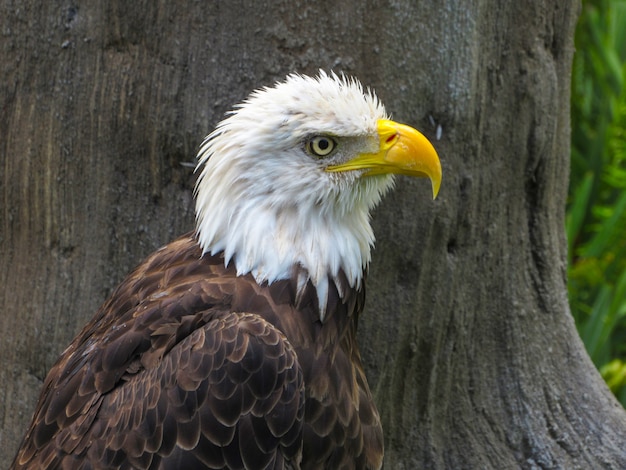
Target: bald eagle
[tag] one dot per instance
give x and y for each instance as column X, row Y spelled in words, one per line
column 235, row 346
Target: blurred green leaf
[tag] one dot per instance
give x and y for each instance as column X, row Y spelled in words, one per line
column 615, row 374
column 596, row 212
column 577, row 210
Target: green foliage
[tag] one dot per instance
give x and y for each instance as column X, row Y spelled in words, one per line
column 596, row 214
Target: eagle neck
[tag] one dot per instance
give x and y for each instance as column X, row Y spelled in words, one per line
column 321, row 247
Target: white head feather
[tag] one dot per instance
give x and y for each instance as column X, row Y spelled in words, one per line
column 269, row 204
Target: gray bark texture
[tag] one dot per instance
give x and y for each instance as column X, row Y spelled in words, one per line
column 467, row 337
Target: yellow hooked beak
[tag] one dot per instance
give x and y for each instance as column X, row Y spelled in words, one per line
column 402, row 150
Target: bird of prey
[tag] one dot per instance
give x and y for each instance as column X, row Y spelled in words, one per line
column 234, row 346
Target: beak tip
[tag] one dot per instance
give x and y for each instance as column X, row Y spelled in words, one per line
column 435, row 191
column 436, row 180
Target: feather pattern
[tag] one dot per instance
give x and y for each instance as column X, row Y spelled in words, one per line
column 190, row 365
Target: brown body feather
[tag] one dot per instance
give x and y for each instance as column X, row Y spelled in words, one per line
column 188, row 365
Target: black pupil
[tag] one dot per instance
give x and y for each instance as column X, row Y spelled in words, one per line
column 323, row 144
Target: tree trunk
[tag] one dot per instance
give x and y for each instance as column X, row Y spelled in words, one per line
column 467, row 336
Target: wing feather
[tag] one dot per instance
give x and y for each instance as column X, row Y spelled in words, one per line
column 173, row 377
column 195, row 426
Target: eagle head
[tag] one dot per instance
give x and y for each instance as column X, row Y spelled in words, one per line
column 288, row 179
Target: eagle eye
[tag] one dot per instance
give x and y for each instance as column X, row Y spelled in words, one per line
column 321, row 145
